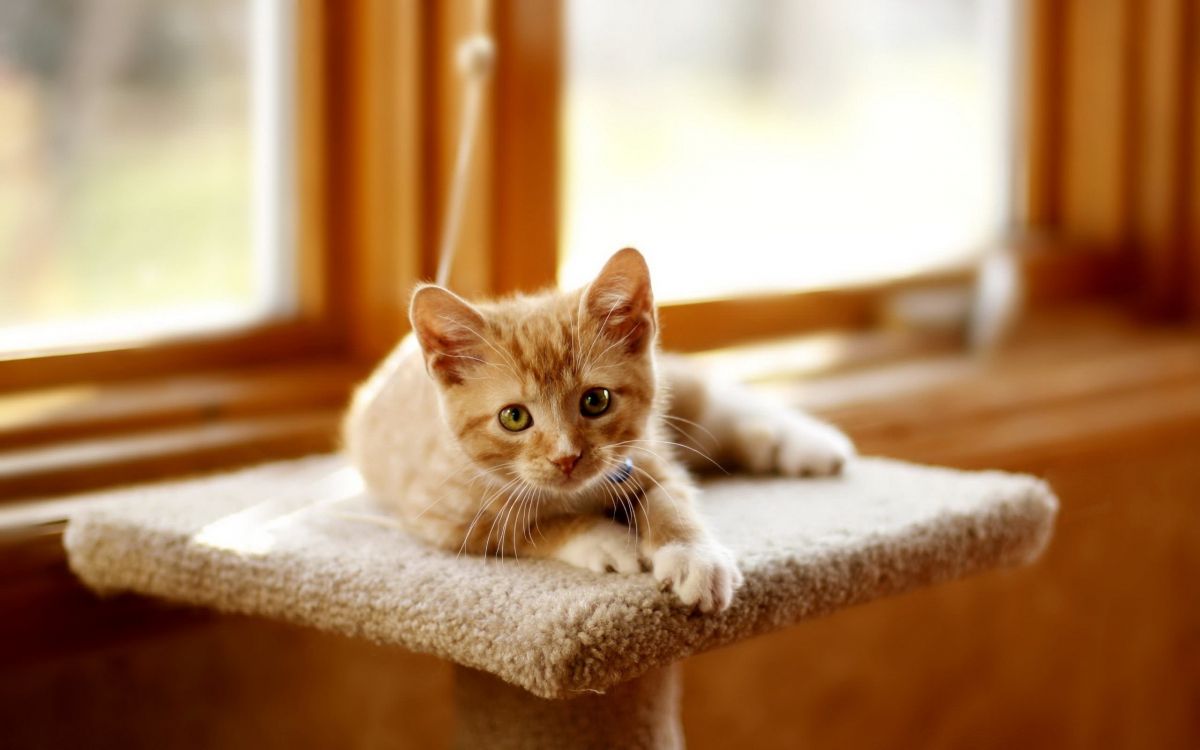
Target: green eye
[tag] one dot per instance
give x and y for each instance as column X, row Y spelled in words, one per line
column 594, row 402
column 515, row 418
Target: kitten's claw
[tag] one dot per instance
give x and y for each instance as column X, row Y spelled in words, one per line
column 793, row 444
column 604, row 547
column 702, row 575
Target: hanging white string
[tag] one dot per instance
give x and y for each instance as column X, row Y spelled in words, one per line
column 476, row 57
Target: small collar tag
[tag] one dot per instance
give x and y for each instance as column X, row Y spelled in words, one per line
column 623, row 473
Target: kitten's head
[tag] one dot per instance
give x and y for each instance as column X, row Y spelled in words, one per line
column 549, row 389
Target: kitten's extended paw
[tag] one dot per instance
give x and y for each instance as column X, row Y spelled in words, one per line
column 702, row 575
column 604, row 547
column 793, row 444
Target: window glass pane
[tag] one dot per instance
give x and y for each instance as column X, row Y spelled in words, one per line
column 132, row 139
column 785, row 144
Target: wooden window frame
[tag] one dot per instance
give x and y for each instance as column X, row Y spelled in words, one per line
column 378, row 110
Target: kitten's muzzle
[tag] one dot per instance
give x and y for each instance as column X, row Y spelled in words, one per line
column 567, row 463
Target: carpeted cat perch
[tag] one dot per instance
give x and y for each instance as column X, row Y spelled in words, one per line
column 549, row 655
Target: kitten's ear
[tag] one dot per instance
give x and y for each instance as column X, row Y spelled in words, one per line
column 621, row 302
column 448, row 329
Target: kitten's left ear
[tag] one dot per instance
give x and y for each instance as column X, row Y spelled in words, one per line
column 621, row 302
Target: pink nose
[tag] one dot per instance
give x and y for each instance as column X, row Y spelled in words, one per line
column 566, row 463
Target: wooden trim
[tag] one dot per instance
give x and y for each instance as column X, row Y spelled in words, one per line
column 527, row 141
column 315, row 291
column 471, row 275
column 259, row 345
column 1055, row 274
column 1041, row 97
column 696, row 326
column 1094, row 174
column 1073, row 382
column 1070, row 362
column 1164, row 177
column 374, row 141
column 80, row 465
column 1190, row 198
column 1051, row 273
column 89, row 410
column 1113, row 159
column 84, row 436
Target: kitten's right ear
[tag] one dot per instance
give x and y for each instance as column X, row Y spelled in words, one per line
column 449, row 330
column 621, row 302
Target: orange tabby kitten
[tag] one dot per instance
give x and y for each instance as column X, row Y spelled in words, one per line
column 540, row 426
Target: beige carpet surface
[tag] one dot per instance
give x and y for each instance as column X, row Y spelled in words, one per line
column 294, row 541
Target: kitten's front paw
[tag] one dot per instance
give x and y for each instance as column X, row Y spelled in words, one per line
column 702, row 575
column 604, row 547
column 795, row 445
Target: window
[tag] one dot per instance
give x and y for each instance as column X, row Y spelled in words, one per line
column 145, row 171
column 306, row 148
column 828, row 142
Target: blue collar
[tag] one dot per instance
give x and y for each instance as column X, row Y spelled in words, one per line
column 623, row 472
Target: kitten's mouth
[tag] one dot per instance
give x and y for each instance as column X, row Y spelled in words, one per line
column 576, row 480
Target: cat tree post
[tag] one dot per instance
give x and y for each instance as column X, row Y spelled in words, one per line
column 640, row 713
column 550, row 655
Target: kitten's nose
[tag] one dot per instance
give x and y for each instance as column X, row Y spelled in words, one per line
column 566, row 463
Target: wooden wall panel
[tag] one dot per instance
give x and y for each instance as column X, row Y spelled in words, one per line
column 375, row 166
column 526, row 177
column 1163, row 179
column 451, row 23
column 1112, row 139
column 1041, row 77
column 1190, row 271
column 230, row 683
column 1095, row 646
column 1094, row 167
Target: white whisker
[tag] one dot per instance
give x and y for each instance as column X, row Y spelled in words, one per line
column 487, row 542
column 699, row 453
column 674, row 502
column 484, row 505
column 707, row 431
column 537, row 514
column 475, row 478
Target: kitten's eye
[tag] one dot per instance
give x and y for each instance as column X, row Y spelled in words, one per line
column 515, row 418
column 594, row 402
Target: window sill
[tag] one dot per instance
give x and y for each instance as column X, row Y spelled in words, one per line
column 77, row 438
column 1069, row 381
